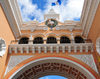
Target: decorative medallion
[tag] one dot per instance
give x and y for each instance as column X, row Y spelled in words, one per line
column 51, row 23
column 2, row 47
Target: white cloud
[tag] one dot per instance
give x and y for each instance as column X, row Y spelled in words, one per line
column 68, row 10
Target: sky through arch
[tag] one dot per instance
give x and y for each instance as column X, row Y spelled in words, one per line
column 52, row 77
column 35, row 9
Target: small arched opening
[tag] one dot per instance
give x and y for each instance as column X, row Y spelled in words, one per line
column 64, row 39
column 38, row 40
column 51, row 40
column 79, row 39
column 24, row 40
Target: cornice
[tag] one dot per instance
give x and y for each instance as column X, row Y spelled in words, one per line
column 10, row 17
column 88, row 15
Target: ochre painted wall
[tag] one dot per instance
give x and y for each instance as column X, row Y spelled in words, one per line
column 7, row 35
column 95, row 33
column 95, row 28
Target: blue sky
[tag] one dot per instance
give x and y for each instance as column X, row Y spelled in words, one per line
column 52, row 77
column 35, row 9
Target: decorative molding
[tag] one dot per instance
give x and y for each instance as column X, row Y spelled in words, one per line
column 15, row 60
column 88, row 59
column 48, row 34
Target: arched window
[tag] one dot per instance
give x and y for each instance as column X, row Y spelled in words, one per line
column 24, row 40
column 38, row 40
column 98, row 45
column 51, row 40
column 79, row 39
column 64, row 39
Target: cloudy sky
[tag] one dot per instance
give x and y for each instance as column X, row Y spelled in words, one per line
column 35, row 9
column 53, row 77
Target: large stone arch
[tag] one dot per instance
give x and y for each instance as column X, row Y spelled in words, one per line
column 52, row 66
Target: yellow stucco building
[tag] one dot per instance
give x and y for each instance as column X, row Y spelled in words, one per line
column 33, row 49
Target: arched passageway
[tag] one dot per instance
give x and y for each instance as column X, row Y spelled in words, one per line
column 51, row 40
column 64, row 39
column 79, row 39
column 24, row 40
column 38, row 40
column 52, row 66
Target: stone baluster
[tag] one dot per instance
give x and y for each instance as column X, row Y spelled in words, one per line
column 39, row 49
column 63, row 49
column 33, row 49
column 75, row 49
column 51, row 49
column 15, row 49
column 69, row 49
column 91, row 48
column 57, row 49
column 45, row 49
column 21, row 49
column 27, row 49
column 86, row 48
column 81, row 48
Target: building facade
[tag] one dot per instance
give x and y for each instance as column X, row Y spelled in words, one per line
column 30, row 50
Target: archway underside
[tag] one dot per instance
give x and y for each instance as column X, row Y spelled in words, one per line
column 51, row 69
column 52, row 66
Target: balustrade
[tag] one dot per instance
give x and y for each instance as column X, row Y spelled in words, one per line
column 68, row 47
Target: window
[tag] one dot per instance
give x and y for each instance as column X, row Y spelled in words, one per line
column 24, row 40
column 79, row 39
column 64, row 39
column 51, row 40
column 38, row 40
column 2, row 47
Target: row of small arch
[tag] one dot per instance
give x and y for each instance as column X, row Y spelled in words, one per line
column 51, row 39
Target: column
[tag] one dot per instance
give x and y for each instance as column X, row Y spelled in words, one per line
column 72, row 38
column 45, row 40
column 30, row 39
column 58, row 40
